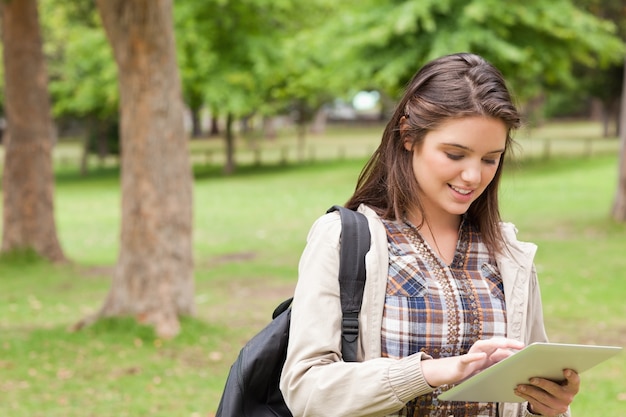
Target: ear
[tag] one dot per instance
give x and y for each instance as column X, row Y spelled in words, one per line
column 404, row 134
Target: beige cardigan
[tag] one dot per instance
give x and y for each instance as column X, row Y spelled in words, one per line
column 316, row 382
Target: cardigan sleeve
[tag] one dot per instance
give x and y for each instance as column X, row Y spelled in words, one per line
column 315, row 381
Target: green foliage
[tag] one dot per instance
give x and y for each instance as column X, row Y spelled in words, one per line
column 196, row 59
column 247, row 56
column 232, row 54
column 313, row 70
column 534, row 43
column 566, row 104
column 82, row 72
column 604, row 83
column 612, row 10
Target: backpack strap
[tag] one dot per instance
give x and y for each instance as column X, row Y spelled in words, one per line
column 355, row 243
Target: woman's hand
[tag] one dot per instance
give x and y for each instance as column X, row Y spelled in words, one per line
column 481, row 355
column 549, row 398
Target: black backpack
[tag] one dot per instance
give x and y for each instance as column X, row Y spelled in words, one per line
column 252, row 387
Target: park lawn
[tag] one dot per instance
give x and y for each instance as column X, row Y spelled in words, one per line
column 249, row 232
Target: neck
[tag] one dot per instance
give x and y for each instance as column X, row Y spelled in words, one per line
column 441, row 232
column 435, row 224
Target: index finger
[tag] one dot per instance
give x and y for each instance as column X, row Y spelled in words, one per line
column 504, row 343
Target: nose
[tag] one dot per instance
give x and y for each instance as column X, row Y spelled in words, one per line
column 471, row 173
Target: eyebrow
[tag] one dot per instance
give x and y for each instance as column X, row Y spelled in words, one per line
column 466, row 148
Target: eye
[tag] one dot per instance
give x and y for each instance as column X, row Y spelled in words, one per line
column 490, row 161
column 454, row 157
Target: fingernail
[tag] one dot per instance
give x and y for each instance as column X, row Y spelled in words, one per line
column 533, row 381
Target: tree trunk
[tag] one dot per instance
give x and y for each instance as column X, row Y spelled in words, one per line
column 301, row 134
column 28, row 180
column 320, row 120
column 84, row 158
column 269, row 127
column 214, row 130
column 305, row 115
column 229, row 137
column 102, row 129
column 619, row 206
column 153, row 280
column 196, row 122
column 606, row 120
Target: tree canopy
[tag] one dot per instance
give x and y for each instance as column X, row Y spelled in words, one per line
column 250, row 56
column 534, row 43
column 83, row 76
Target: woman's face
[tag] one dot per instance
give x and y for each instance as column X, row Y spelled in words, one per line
column 456, row 162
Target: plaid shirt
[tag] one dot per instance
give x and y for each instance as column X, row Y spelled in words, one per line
column 440, row 309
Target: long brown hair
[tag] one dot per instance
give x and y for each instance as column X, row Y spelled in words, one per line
column 450, row 87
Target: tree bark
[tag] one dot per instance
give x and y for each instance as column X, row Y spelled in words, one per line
column 28, row 180
column 229, row 138
column 153, row 280
column 619, row 205
column 214, row 130
column 196, row 123
column 320, row 121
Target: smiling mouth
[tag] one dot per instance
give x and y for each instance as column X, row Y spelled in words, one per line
column 460, row 190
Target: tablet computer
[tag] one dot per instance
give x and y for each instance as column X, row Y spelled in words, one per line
column 545, row 360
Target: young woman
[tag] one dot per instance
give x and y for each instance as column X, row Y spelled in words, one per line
column 449, row 290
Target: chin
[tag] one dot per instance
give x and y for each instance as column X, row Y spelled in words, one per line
column 458, row 211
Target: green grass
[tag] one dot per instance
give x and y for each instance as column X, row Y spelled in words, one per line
column 249, row 232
